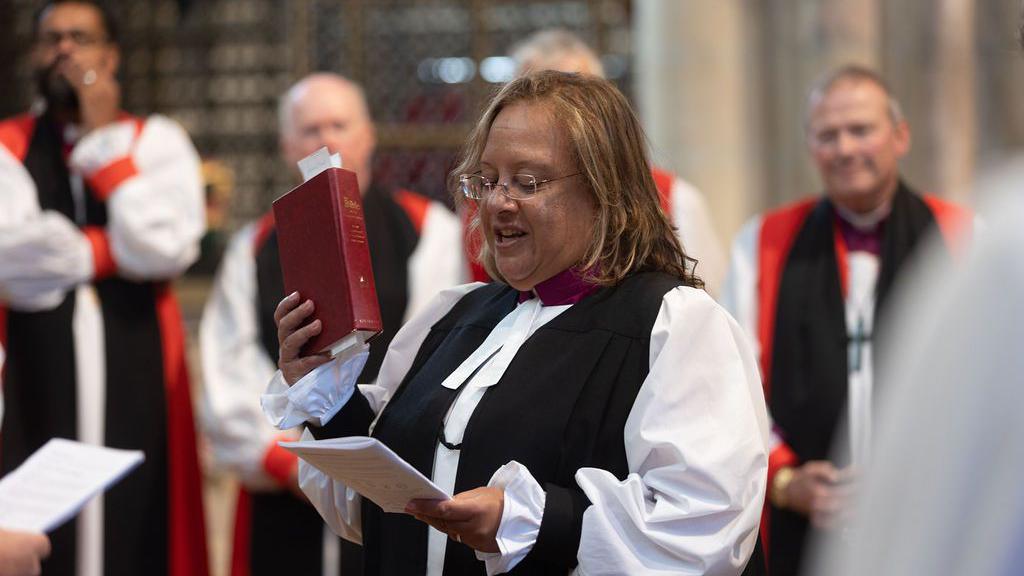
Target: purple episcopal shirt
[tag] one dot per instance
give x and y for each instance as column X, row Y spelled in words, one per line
column 566, row 287
column 858, row 240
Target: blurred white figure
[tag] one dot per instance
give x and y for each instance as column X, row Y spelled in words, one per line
column 944, row 493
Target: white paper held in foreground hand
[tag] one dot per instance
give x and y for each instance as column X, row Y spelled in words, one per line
column 370, row 468
column 55, row 482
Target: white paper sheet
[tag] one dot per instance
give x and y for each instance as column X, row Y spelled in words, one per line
column 317, row 162
column 370, row 468
column 54, row 484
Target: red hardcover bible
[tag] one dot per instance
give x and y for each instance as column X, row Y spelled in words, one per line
column 321, row 235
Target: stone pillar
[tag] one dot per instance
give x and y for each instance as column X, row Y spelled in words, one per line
column 954, row 114
column 929, row 62
column 805, row 39
column 694, row 94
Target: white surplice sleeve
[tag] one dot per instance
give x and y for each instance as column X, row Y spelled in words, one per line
column 324, row 391
column 154, row 192
column 236, row 368
column 152, row 186
column 696, row 443
column 43, row 253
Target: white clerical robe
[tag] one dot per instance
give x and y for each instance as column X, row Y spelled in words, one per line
column 696, row 443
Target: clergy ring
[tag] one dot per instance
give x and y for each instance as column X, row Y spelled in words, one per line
column 89, row 78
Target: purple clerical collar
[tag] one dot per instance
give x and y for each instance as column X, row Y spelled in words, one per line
column 861, row 238
column 566, row 287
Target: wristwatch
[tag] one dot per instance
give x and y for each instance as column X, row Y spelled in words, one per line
column 780, row 483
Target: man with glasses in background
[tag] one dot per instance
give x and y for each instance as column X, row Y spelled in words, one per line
column 99, row 210
column 810, row 282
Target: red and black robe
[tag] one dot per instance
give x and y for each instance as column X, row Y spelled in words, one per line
column 153, row 518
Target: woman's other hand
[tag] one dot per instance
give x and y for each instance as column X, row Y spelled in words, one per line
column 470, row 517
column 293, row 331
column 22, row 552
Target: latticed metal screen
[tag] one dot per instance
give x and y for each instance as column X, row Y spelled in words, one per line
column 218, row 67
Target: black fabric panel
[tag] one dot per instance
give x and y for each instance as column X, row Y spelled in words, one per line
column 269, row 293
column 909, row 224
column 809, row 365
column 392, row 239
column 286, row 536
column 95, row 210
column 809, row 368
column 44, row 161
column 756, row 566
column 560, row 529
column 561, row 405
column 353, row 419
column 135, row 509
column 39, row 401
column 39, row 382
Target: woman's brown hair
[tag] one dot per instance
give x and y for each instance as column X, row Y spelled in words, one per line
column 632, row 233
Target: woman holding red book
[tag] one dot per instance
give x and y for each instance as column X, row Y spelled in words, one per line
column 593, row 410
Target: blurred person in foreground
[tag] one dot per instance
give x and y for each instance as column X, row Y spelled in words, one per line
column 414, row 249
column 943, row 492
column 591, row 410
column 99, row 210
column 561, row 50
column 21, row 553
column 808, row 282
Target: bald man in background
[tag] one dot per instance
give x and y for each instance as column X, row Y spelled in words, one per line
column 559, row 49
column 414, row 249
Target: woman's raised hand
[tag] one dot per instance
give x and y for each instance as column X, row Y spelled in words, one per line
column 292, row 332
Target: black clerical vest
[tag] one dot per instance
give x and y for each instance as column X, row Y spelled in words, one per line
column 40, row 395
column 561, row 405
column 393, row 239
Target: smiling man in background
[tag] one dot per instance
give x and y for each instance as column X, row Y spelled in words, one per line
column 807, row 281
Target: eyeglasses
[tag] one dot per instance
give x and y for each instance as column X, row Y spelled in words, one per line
column 80, row 38
column 518, row 187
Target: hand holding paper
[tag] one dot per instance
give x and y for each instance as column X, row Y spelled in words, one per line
column 57, row 481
